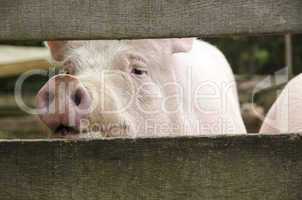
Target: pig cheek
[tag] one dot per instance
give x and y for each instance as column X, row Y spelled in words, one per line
column 107, row 105
column 148, row 98
column 120, row 90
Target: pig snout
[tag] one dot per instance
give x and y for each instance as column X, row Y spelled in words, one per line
column 62, row 103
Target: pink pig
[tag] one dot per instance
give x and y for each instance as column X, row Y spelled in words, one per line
column 285, row 114
column 140, row 88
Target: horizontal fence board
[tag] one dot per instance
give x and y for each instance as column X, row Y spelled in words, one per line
column 103, row 19
column 232, row 167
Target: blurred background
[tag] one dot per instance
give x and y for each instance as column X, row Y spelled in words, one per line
column 253, row 59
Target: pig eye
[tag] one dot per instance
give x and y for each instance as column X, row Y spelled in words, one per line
column 68, row 68
column 138, row 71
column 66, row 71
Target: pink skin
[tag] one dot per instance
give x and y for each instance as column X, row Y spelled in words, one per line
column 285, row 114
column 63, row 101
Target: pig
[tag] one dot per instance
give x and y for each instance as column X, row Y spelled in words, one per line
column 285, row 115
column 139, row 88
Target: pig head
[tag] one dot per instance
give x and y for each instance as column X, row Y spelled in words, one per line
column 132, row 88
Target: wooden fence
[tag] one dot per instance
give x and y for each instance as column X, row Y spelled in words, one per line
column 105, row 19
column 222, row 167
column 234, row 167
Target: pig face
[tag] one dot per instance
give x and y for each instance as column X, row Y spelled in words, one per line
column 111, row 88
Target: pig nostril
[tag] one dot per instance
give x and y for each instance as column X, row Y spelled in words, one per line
column 77, row 98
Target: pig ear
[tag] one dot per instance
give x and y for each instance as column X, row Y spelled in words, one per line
column 57, row 49
column 181, row 44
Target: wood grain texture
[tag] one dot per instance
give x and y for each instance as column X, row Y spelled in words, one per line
column 104, row 19
column 219, row 168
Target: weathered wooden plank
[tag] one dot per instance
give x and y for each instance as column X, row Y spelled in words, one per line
column 15, row 60
column 237, row 168
column 103, row 19
column 14, row 69
column 17, row 54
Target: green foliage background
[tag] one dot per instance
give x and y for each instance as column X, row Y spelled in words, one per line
column 259, row 55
